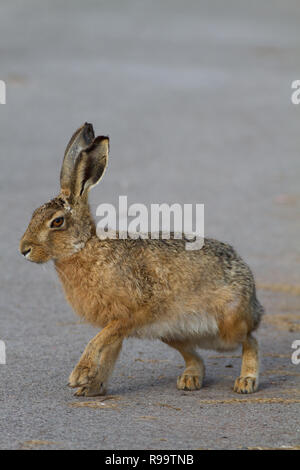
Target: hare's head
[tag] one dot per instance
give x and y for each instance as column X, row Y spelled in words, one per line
column 62, row 226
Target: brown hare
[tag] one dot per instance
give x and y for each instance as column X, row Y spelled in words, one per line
column 141, row 287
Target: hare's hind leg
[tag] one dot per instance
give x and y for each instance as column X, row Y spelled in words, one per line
column 193, row 375
column 107, row 361
column 248, row 380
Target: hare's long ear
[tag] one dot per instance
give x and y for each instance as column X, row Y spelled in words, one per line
column 90, row 167
column 79, row 141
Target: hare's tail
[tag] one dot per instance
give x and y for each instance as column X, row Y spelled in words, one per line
column 257, row 311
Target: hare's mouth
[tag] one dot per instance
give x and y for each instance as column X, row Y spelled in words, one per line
column 34, row 254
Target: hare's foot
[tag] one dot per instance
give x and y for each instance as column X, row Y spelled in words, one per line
column 192, row 377
column 93, row 390
column 93, row 370
column 248, row 380
column 84, row 374
column 245, row 385
column 189, row 381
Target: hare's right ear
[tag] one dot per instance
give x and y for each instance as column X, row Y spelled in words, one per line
column 79, row 141
column 90, row 167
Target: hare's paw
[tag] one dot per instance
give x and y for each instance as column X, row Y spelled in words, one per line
column 189, row 382
column 83, row 374
column 245, row 385
column 93, row 390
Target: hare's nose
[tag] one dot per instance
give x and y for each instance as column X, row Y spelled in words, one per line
column 26, row 252
column 25, row 248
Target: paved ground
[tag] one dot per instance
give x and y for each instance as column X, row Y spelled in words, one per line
column 196, row 99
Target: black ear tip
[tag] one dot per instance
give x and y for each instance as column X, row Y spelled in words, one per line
column 103, row 138
column 100, row 138
column 88, row 132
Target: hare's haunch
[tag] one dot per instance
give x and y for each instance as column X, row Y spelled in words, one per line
column 141, row 288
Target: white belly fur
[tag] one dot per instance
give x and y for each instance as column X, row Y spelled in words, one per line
column 181, row 326
column 201, row 330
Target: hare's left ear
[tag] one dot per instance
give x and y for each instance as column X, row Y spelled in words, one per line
column 90, row 167
column 79, row 141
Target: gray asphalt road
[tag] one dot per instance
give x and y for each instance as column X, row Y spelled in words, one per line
column 196, row 99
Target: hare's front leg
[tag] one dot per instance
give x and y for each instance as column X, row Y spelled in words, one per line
column 248, row 380
column 107, row 361
column 193, row 375
column 97, row 360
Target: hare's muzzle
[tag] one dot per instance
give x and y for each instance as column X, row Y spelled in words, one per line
column 25, row 252
column 34, row 251
column 25, row 248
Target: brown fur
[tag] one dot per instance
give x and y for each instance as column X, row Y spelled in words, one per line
column 141, row 288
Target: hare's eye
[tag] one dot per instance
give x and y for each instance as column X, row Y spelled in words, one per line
column 57, row 222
